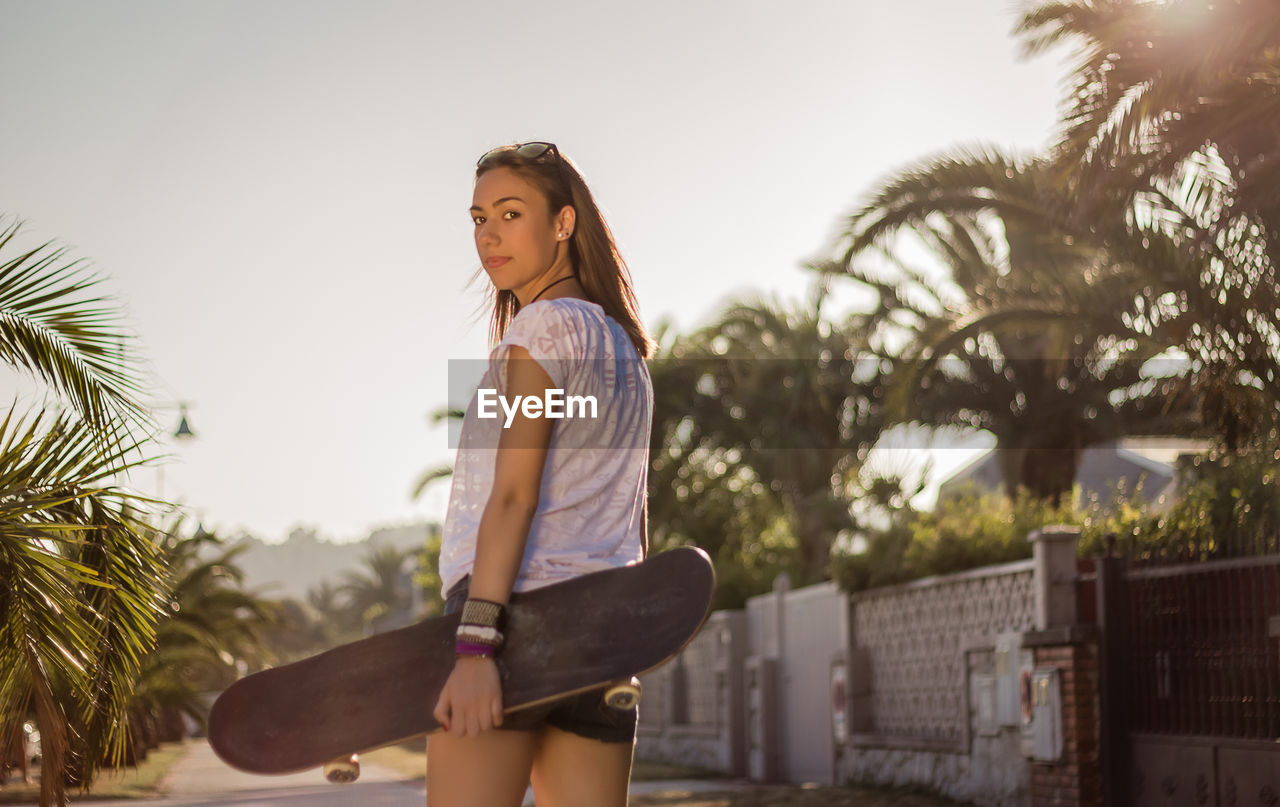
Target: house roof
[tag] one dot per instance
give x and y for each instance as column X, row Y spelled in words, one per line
column 1101, row 468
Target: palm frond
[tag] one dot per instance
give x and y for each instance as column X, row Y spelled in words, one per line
column 427, row 478
column 52, row 329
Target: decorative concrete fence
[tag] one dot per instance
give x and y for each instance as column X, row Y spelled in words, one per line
column 691, row 712
column 931, row 684
column 934, row 669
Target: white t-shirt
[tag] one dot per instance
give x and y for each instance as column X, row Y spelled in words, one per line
column 596, row 469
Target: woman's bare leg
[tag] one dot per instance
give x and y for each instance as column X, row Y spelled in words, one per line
column 489, row 769
column 573, row 771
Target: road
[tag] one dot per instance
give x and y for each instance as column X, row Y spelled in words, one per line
column 200, row 779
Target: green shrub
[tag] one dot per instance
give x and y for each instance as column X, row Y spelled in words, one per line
column 1227, row 505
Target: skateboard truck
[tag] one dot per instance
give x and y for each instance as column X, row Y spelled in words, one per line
column 343, row 770
column 624, row 695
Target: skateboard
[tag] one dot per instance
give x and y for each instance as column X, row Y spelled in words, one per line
column 596, row 631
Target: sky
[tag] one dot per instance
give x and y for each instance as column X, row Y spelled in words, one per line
column 276, row 193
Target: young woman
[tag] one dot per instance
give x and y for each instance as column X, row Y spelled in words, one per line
column 536, row 500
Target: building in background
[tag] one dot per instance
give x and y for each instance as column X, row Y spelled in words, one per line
column 1150, row 462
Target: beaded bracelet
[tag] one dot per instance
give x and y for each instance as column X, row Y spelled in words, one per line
column 480, row 628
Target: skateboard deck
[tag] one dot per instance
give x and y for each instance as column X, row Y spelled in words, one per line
column 561, row 640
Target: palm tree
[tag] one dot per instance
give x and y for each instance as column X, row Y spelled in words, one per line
column 335, row 622
column 426, row 578
column 67, row 340
column 1158, row 84
column 764, row 398
column 1034, row 334
column 212, row 631
column 704, row 494
column 381, row 593
column 1172, row 134
column 440, row 471
column 81, row 584
column 81, row 589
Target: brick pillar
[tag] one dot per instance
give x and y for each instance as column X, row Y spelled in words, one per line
column 1060, row 643
column 1076, row 778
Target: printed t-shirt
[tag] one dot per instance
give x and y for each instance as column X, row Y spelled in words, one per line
column 596, row 468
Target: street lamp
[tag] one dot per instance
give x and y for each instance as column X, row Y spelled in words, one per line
column 184, row 429
column 184, row 433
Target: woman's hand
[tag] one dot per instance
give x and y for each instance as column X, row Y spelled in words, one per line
column 471, row 700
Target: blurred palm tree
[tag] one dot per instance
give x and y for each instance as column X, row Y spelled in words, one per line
column 382, row 592
column 1034, row 331
column 703, row 494
column 1159, row 83
column 81, row 583
column 211, row 633
column 759, row 417
column 440, row 471
column 1171, row 151
column 336, row 621
column 426, row 578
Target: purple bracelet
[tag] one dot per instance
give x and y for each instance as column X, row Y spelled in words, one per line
column 472, row 649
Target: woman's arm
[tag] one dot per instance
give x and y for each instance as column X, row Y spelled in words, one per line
column 471, row 700
column 517, row 479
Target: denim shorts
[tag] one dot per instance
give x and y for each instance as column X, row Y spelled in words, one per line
column 585, row 715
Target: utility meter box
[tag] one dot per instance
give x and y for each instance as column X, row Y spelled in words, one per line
column 1042, row 714
column 1010, row 662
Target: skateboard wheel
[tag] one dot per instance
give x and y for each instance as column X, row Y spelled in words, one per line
column 343, row 770
column 623, row 696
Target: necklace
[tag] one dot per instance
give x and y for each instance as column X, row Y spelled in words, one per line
column 549, row 285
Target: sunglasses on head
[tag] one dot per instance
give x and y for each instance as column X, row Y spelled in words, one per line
column 532, row 151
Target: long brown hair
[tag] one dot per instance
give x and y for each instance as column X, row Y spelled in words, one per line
column 593, row 254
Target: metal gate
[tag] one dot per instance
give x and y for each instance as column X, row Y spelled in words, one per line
column 1190, row 679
